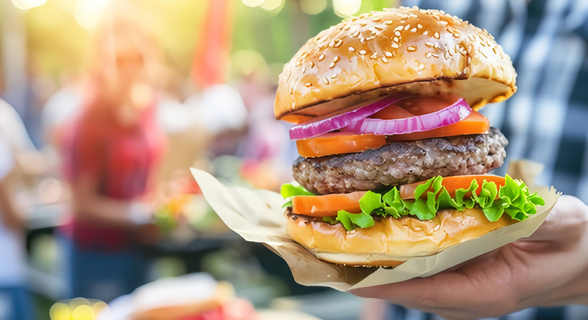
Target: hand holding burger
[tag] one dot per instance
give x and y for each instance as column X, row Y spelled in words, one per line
column 394, row 155
column 550, row 268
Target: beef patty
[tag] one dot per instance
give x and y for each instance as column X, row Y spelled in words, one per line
column 400, row 163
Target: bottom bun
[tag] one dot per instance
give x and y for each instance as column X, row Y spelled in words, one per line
column 390, row 242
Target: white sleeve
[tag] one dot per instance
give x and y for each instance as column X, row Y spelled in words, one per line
column 6, row 158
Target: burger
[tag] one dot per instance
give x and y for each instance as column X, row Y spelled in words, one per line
column 394, row 156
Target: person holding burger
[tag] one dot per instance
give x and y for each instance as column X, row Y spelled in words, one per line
column 395, row 160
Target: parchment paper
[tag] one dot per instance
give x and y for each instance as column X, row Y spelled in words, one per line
column 258, row 216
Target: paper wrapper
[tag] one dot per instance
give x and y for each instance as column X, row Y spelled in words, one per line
column 258, row 216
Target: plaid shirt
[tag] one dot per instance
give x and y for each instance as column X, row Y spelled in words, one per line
column 547, row 119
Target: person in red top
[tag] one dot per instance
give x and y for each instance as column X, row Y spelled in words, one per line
column 110, row 153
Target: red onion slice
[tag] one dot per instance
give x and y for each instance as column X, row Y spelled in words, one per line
column 450, row 115
column 336, row 121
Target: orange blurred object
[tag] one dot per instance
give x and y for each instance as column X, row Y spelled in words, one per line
column 212, row 51
column 337, row 143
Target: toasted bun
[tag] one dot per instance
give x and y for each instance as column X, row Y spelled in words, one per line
column 390, row 241
column 398, row 50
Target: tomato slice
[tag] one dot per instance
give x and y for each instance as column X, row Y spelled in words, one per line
column 453, row 183
column 475, row 123
column 327, row 205
column 337, row 143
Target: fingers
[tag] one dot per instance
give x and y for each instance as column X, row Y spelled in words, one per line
column 446, row 289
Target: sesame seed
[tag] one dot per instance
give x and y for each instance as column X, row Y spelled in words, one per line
column 338, row 43
column 370, row 38
column 436, row 35
column 322, row 57
column 426, row 32
column 428, row 55
column 398, row 28
column 421, row 67
column 437, row 227
column 411, row 48
column 472, row 37
column 374, row 56
column 291, row 90
column 494, row 49
column 336, row 59
column 456, row 34
column 312, row 64
column 347, row 27
column 407, row 27
column 388, row 54
column 388, row 22
column 334, row 75
column 332, row 43
column 396, row 39
column 397, row 33
column 304, row 69
column 402, row 21
column 362, row 52
column 384, row 59
column 355, row 34
column 308, row 84
column 437, row 46
column 379, row 27
column 419, row 26
column 361, row 39
column 395, row 45
column 351, row 49
column 326, row 80
column 435, row 55
column 429, row 44
column 413, row 30
column 332, row 65
column 363, row 23
column 469, row 60
column 443, row 22
column 376, row 19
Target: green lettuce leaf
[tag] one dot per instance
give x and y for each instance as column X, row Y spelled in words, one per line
column 289, row 190
column 513, row 199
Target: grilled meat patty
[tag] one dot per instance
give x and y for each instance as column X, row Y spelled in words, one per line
column 400, row 163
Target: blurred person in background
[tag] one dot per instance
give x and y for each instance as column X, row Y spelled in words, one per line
column 545, row 121
column 111, row 152
column 15, row 301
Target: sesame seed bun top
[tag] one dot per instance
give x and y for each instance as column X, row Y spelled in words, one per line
column 426, row 52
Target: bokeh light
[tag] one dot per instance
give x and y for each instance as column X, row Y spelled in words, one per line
column 59, row 311
column 28, row 4
column 77, row 309
column 83, row 313
column 252, row 3
column 88, row 12
column 313, row 6
column 270, row 5
column 346, row 8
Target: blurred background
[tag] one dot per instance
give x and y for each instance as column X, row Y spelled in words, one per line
column 108, row 103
